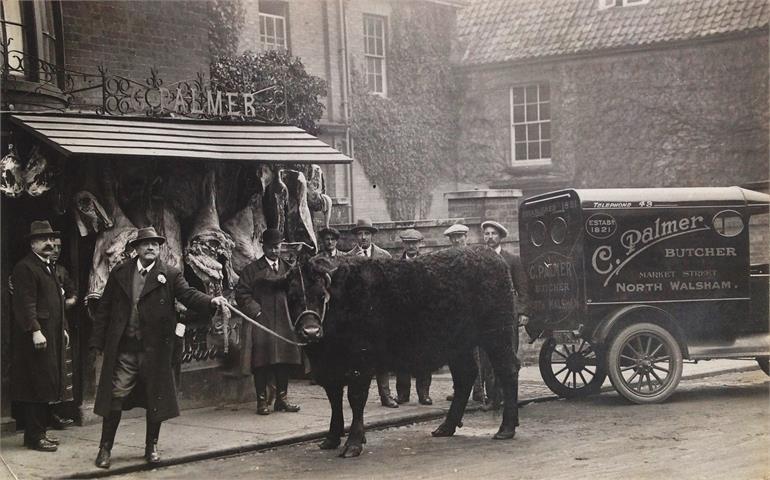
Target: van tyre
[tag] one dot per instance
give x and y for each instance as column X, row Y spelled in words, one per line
column 644, row 363
column 571, row 371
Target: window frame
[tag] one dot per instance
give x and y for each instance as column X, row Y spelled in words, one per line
column 541, row 160
column 379, row 58
column 274, row 5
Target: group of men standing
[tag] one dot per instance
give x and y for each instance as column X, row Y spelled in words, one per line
column 135, row 327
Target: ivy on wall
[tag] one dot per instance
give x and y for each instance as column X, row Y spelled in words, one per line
column 407, row 141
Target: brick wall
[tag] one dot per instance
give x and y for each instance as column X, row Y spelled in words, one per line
column 129, row 38
column 665, row 117
column 499, row 205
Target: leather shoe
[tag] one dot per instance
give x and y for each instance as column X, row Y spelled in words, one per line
column 284, row 406
column 60, row 423
column 151, row 454
column 51, row 438
column 103, row 457
column 42, row 445
column 426, row 400
column 505, row 433
column 388, row 402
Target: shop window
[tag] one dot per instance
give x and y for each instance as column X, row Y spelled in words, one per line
column 33, row 31
column 374, row 53
column 273, row 25
column 530, row 124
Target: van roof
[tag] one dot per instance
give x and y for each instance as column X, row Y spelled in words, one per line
column 694, row 196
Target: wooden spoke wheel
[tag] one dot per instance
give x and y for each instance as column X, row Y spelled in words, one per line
column 571, row 370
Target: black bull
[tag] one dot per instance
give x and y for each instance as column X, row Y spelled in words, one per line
column 362, row 315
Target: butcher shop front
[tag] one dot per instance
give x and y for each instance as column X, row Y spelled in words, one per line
column 210, row 184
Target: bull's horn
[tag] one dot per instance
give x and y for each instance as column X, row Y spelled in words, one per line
column 328, row 279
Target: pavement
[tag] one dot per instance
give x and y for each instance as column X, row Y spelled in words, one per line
column 211, row 432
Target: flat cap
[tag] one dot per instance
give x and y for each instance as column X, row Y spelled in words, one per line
column 329, row 231
column 411, row 235
column 497, row 226
column 456, row 229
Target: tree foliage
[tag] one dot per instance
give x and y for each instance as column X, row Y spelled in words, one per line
column 226, row 19
column 251, row 72
column 407, row 140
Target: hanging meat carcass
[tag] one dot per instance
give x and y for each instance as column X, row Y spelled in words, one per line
column 38, row 177
column 11, row 174
column 299, row 220
column 111, row 245
column 90, row 215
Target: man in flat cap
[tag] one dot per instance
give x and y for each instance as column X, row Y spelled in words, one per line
column 39, row 337
column 134, row 327
column 262, row 293
column 458, row 235
column 329, row 237
column 363, row 231
column 494, row 232
column 412, row 239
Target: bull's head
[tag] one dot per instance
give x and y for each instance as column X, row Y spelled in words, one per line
column 311, row 294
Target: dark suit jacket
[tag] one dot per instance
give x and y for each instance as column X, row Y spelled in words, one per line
column 377, row 252
column 519, row 277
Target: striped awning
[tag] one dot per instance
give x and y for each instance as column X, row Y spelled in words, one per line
column 85, row 135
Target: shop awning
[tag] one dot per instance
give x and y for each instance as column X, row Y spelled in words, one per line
column 85, row 135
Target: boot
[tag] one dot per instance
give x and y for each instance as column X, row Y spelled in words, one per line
column 282, row 403
column 151, row 453
column 109, row 428
column 403, row 387
column 422, row 385
column 383, row 388
column 260, row 384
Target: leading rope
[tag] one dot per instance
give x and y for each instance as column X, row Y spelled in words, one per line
column 259, row 325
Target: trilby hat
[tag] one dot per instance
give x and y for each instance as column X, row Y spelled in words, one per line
column 456, row 229
column 363, row 224
column 497, row 226
column 42, row 228
column 144, row 234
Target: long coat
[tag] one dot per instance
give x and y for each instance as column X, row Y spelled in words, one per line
column 260, row 289
column 519, row 277
column 38, row 304
column 157, row 321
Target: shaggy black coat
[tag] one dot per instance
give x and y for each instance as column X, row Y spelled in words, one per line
column 412, row 316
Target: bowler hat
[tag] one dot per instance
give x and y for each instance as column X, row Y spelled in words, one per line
column 497, row 226
column 329, row 231
column 42, row 228
column 145, row 234
column 363, row 224
column 456, row 229
column 271, row 236
column 411, row 235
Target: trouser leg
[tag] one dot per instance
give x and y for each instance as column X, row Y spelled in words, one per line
column 35, row 419
column 422, row 385
column 281, row 373
column 109, row 428
column 260, row 387
column 383, row 388
column 403, row 387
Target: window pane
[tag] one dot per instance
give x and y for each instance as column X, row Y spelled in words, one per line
column 518, row 114
column 545, row 130
column 545, row 111
column 533, row 132
column 534, row 150
column 521, row 151
column 12, row 11
column 518, row 96
column 545, row 150
column 519, row 133
column 545, row 92
column 532, row 93
column 16, row 36
column 531, row 112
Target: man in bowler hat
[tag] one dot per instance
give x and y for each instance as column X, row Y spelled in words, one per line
column 39, row 337
column 363, row 231
column 261, row 293
column 134, row 328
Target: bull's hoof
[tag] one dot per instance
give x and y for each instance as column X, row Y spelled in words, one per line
column 443, row 430
column 505, row 433
column 351, row 450
column 329, row 443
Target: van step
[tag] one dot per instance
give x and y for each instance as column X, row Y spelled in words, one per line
column 756, row 345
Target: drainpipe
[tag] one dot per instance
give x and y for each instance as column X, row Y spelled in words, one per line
column 345, row 95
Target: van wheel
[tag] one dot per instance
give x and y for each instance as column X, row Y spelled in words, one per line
column 645, row 363
column 571, row 371
column 764, row 364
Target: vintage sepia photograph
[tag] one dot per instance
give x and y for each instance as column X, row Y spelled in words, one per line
column 385, row 239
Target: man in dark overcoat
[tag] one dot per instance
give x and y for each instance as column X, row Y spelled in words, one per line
column 134, row 327
column 261, row 293
column 494, row 232
column 39, row 337
column 411, row 239
column 363, row 231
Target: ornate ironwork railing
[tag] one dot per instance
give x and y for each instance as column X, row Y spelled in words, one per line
column 124, row 96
